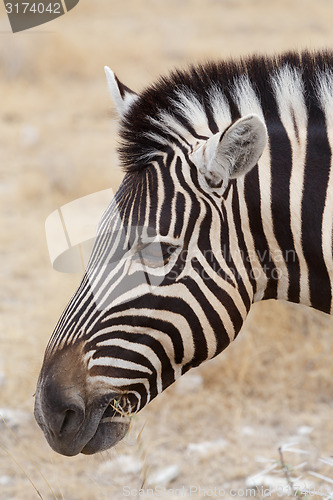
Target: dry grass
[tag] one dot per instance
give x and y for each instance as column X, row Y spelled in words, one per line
column 57, row 143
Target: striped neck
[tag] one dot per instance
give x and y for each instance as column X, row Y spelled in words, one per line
column 287, row 207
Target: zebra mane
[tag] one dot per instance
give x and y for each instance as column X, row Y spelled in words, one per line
column 195, row 103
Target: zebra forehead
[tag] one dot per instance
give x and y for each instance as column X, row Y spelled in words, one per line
column 140, row 208
column 193, row 104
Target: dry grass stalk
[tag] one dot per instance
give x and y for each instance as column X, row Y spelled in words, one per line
column 30, row 458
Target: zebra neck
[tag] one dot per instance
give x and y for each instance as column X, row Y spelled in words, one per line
column 287, row 217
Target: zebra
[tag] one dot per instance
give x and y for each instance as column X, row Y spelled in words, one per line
column 227, row 199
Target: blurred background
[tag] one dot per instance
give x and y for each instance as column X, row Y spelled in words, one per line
column 224, row 422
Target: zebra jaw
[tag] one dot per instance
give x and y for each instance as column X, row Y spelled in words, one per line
column 230, row 154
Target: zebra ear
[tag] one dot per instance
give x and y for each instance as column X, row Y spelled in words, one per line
column 122, row 96
column 232, row 153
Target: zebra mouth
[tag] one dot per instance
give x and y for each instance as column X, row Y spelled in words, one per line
column 71, row 427
column 111, row 428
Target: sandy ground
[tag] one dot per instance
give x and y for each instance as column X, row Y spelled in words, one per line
column 223, row 423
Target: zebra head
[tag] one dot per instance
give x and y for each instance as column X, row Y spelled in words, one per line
column 167, row 285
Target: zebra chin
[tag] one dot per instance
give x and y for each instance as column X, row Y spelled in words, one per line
column 107, row 435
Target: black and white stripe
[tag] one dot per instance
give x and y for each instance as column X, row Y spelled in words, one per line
column 264, row 235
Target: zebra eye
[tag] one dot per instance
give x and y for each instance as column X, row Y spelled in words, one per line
column 156, row 253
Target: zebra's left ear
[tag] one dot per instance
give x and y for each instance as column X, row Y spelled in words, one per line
column 232, row 153
column 122, row 96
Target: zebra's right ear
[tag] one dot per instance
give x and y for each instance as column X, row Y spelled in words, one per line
column 122, row 96
column 232, row 153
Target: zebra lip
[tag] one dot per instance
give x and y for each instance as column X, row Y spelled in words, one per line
column 110, row 430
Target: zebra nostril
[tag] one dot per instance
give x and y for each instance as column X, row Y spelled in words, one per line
column 71, row 420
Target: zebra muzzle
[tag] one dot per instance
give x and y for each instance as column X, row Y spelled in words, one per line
column 73, row 426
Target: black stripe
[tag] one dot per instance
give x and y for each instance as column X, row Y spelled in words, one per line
column 180, row 212
column 253, row 202
column 152, row 179
column 194, row 208
column 169, row 192
column 141, row 206
column 242, row 245
column 226, row 247
column 118, row 352
column 318, row 160
column 117, row 372
column 281, row 166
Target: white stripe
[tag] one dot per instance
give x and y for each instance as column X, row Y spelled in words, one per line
column 127, row 242
column 246, row 97
column 180, row 189
column 193, row 110
column 160, row 197
column 288, row 88
column 118, row 363
column 171, row 125
column 220, row 107
column 325, row 95
column 153, row 136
